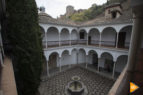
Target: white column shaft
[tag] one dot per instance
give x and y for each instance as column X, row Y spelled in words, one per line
column 59, row 39
column 117, row 40
column 46, row 41
column 114, row 70
column 48, row 69
column 100, row 40
column 87, row 39
column 60, row 64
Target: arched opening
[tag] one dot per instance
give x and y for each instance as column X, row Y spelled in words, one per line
column 124, row 37
column 74, row 37
column 82, row 37
column 53, row 58
column 65, row 37
column 82, row 56
column 65, row 59
column 108, row 37
column 53, row 37
column 52, row 63
column 93, row 58
column 120, row 64
column 42, row 31
column 106, row 62
column 93, row 37
column 74, row 56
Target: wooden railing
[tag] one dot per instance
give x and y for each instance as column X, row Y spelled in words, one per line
column 65, row 42
column 82, row 42
column 93, row 42
column 108, row 43
column 74, row 42
column 52, row 43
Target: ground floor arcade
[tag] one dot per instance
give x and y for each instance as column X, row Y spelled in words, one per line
column 103, row 62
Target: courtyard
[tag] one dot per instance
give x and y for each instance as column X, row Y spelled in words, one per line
column 96, row 84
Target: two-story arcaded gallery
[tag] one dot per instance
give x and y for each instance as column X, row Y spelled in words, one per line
column 102, row 43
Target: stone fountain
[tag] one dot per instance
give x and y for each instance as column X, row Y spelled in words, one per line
column 76, row 87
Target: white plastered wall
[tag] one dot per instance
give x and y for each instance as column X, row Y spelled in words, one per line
column 74, row 35
column 81, row 56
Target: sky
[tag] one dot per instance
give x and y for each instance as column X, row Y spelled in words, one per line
column 55, row 8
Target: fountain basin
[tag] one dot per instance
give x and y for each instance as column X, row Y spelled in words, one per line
column 75, row 88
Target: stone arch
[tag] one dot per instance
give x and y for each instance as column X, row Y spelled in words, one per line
column 108, row 37
column 65, row 36
column 53, row 60
column 74, row 37
column 93, row 36
column 81, row 56
column 65, row 51
column 124, row 37
column 121, row 63
column 65, row 58
column 93, row 58
column 52, row 36
column 106, row 62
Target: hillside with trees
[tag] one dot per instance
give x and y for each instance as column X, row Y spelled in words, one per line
column 93, row 11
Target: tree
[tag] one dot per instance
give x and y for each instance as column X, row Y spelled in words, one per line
column 25, row 38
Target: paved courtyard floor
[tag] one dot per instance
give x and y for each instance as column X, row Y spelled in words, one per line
column 95, row 83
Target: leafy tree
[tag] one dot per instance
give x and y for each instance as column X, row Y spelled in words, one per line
column 25, row 38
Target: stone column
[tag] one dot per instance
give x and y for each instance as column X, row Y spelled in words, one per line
column 114, row 67
column 77, row 57
column 100, row 41
column 60, row 64
column 46, row 41
column 48, row 74
column 70, row 39
column 87, row 39
column 117, row 40
column 86, row 61
column 59, row 39
column 98, row 64
column 69, row 62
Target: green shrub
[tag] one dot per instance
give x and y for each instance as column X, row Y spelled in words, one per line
column 25, row 38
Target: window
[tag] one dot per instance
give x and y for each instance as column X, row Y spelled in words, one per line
column 114, row 14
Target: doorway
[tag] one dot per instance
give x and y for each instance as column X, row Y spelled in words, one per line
column 53, row 61
column 122, row 38
column 108, row 65
column 89, row 40
column 95, row 60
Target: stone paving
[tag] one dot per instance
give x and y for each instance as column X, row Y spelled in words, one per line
column 95, row 83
